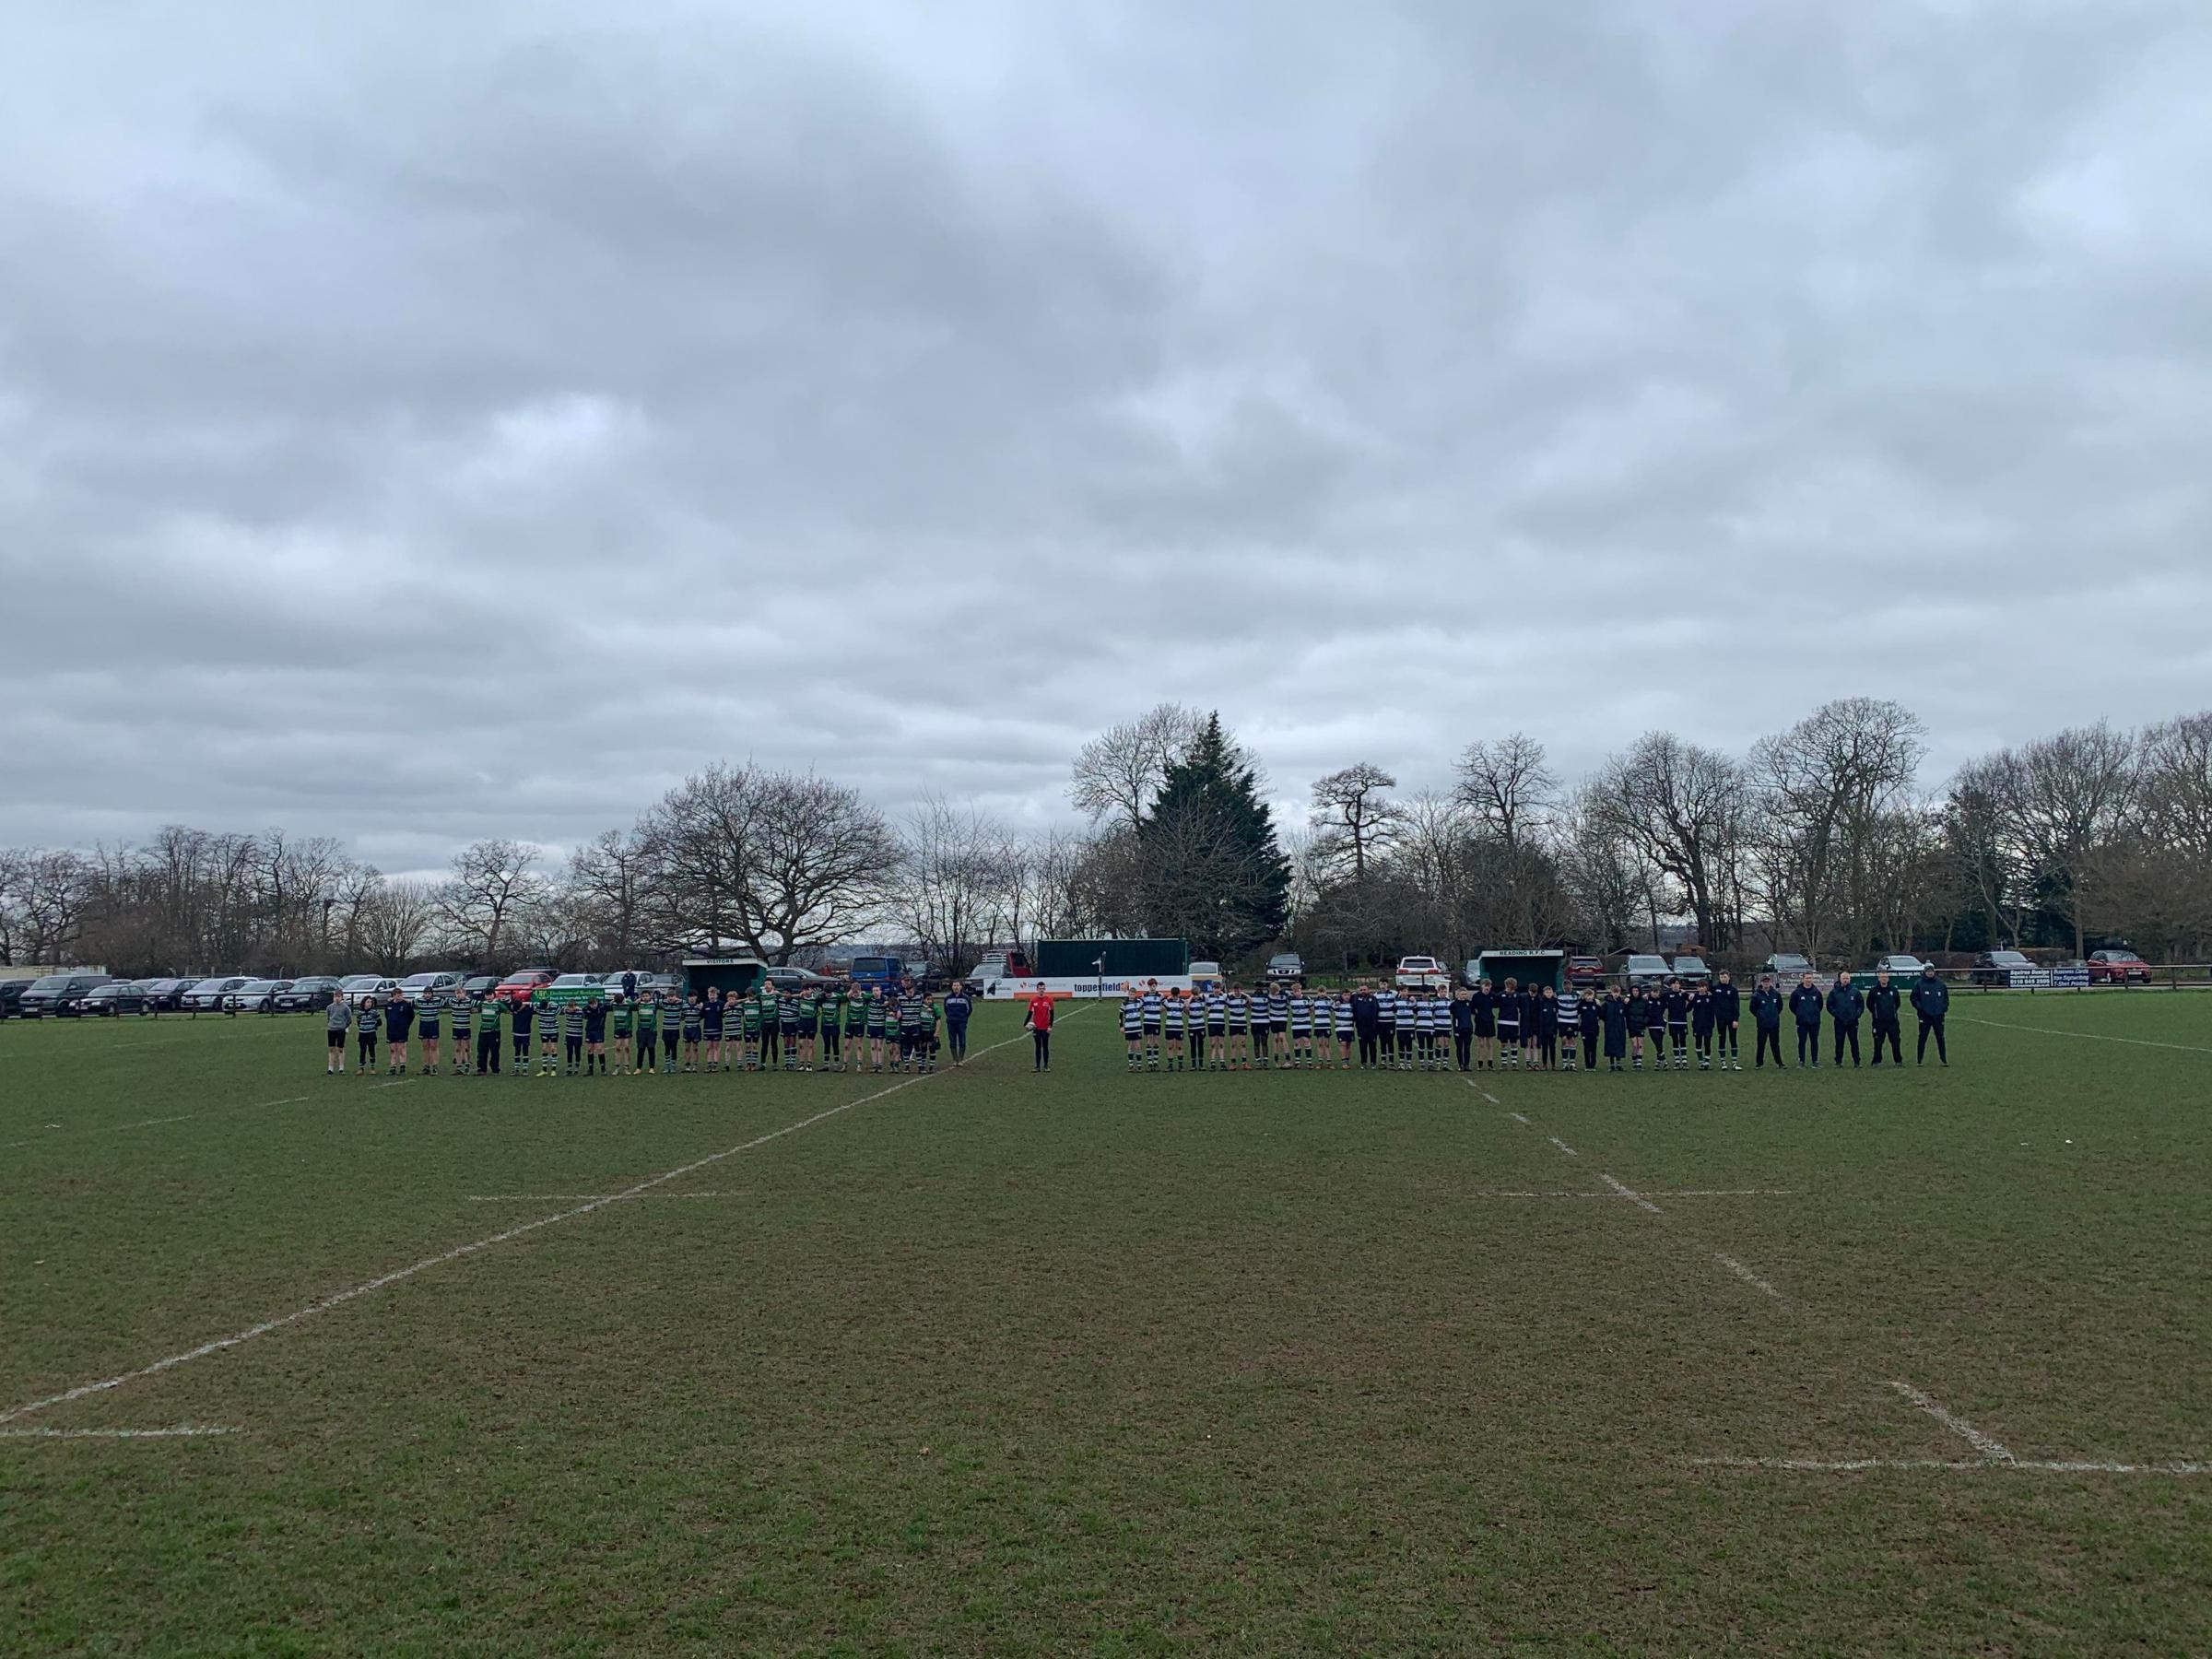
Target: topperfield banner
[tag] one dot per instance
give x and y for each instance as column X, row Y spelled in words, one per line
column 1021, row 990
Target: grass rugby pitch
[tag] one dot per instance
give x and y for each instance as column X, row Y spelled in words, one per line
column 1269, row 1363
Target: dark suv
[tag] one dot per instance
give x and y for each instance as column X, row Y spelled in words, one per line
column 49, row 995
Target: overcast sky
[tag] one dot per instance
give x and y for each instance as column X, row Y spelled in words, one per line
column 421, row 421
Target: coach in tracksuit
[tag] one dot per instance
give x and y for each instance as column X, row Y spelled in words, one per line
column 1766, row 1019
column 1804, row 1002
column 1882, row 1004
column 1367, row 1021
column 1931, row 1001
column 1845, row 1004
column 958, row 1008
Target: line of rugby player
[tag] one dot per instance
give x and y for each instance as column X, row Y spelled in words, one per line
column 1491, row 1027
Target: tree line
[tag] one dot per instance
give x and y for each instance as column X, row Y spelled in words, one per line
column 1821, row 838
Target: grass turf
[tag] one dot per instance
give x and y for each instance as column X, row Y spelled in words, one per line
column 1111, row 1363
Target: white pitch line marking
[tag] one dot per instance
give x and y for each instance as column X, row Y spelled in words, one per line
column 1520, row 1118
column 1745, row 1274
column 150, row 1122
column 1654, row 1192
column 1852, row 1466
column 181, row 1432
column 1991, row 1450
column 1563, row 1145
column 2007, row 1025
column 1636, row 1198
column 601, row 1197
column 339, row 1298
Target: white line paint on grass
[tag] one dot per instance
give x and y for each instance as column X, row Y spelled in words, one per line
column 1979, row 1465
column 601, row 1197
column 150, row 1122
column 1657, row 1193
column 1745, row 1274
column 1991, row 1450
column 1637, row 1199
column 1563, row 1145
column 182, row 1431
column 382, row 1281
column 2007, row 1025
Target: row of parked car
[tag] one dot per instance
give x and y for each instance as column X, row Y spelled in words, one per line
column 97, row 995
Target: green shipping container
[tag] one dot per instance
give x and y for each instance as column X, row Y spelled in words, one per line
column 1126, row 958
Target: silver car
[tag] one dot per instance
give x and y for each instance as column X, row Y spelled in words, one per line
column 1645, row 971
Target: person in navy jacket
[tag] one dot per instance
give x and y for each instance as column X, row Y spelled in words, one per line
column 1931, row 1001
column 1727, row 1014
column 1845, row 1004
column 1882, row 1004
column 1804, row 1002
column 1766, row 1018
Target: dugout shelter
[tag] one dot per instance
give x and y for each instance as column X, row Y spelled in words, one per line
column 1529, row 967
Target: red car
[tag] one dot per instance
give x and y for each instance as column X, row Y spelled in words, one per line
column 2117, row 968
column 1584, row 973
column 518, row 985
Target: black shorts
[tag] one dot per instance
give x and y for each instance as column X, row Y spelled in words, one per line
column 1217, row 1031
column 428, row 1031
column 1151, row 1030
column 337, row 1038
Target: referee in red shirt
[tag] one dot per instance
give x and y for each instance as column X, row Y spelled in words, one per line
column 1041, row 1030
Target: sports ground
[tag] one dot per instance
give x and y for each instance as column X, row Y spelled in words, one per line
column 1914, row 1361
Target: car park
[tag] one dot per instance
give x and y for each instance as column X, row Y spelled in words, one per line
column 1586, row 973
column 1286, row 965
column 161, row 994
column 1997, row 967
column 45, row 996
column 212, row 995
column 419, row 985
column 257, row 997
column 788, row 980
column 1421, row 973
column 611, row 984
column 1903, row 965
column 522, row 984
column 1787, row 966
column 479, row 985
column 11, row 996
column 105, row 1002
column 2118, row 968
column 1642, row 969
column 305, row 996
column 1691, row 971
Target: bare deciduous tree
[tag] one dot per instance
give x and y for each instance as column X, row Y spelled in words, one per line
column 775, row 861
column 2070, row 796
column 491, row 880
column 1353, row 817
column 958, row 878
column 1118, row 775
column 1681, row 808
column 1508, row 785
column 394, row 920
column 1827, row 795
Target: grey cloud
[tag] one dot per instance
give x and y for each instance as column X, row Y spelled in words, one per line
column 436, row 424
